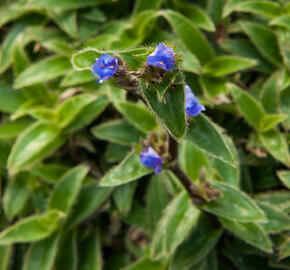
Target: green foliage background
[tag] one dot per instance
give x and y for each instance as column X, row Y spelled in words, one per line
column 69, row 199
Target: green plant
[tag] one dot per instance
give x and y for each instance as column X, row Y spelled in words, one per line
column 75, row 193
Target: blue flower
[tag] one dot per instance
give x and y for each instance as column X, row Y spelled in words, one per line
column 150, row 158
column 162, row 57
column 105, row 67
column 192, row 107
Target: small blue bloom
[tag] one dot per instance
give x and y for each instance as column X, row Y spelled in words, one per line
column 150, row 158
column 162, row 57
column 192, row 107
column 105, row 67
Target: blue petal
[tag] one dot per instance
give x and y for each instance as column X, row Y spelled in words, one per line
column 150, row 158
column 192, row 106
column 105, row 67
column 162, row 57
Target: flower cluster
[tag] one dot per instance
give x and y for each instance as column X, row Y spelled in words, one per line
column 105, row 67
column 151, row 159
column 192, row 106
column 162, row 57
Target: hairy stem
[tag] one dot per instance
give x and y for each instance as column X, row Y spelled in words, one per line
column 190, row 187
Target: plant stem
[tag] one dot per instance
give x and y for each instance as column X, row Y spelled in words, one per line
column 172, row 147
column 190, row 187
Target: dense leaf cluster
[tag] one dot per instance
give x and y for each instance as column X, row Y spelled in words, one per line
column 74, row 194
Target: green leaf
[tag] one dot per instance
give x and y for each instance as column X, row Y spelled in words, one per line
column 91, row 257
column 197, row 246
column 247, row 261
column 277, row 221
column 285, row 105
column 279, row 198
column 66, row 20
column 117, row 260
column 30, row 107
column 178, row 219
column 50, row 38
column 115, row 94
column 250, row 232
column 44, row 70
column 88, row 201
column 146, row 264
column 284, row 250
column 271, row 120
column 230, row 6
column 116, row 152
column 87, row 114
column 94, row 14
column 10, row 130
column 163, row 87
column 213, row 87
column 211, row 261
column 136, row 217
column 190, row 62
column 134, row 58
column 270, row 94
column 60, row 45
column 5, row 254
column 67, row 189
column 244, row 48
column 77, row 77
column 206, row 135
column 197, row 16
column 31, row 229
column 8, row 46
column 228, row 173
column 11, row 11
column 233, row 204
column 275, row 143
column 128, row 170
column 64, row 4
column 265, row 40
column 103, row 41
column 20, row 58
column 192, row 159
column 34, row 144
column 190, row 35
column 284, row 176
column 16, row 194
column 156, row 198
column 137, row 115
column 268, row 9
column 74, row 106
column 4, row 153
column 282, row 21
column 284, row 43
column 84, row 59
column 170, row 111
column 142, row 5
column 118, row 131
column 50, row 172
column 67, row 257
column 224, row 65
column 248, row 106
column 10, row 100
column 41, row 255
column 123, row 197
